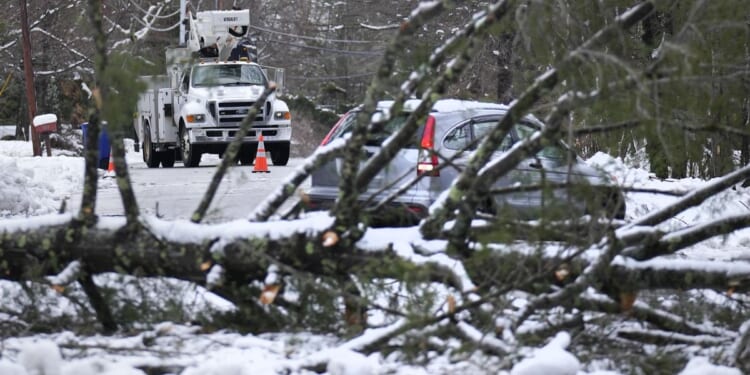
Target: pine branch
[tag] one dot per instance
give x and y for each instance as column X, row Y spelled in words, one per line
column 347, row 209
column 692, row 199
column 461, row 191
column 471, row 34
column 273, row 202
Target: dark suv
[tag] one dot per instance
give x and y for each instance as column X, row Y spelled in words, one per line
column 554, row 182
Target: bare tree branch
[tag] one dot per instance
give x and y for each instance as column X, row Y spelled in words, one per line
column 230, row 155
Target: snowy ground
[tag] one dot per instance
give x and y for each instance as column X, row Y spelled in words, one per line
column 37, row 186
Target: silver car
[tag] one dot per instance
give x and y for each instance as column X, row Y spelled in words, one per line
column 553, row 183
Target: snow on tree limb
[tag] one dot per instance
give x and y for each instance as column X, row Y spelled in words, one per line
column 692, row 199
column 545, row 82
column 346, row 209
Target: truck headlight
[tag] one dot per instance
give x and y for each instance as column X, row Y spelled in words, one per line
column 282, row 115
column 196, row 118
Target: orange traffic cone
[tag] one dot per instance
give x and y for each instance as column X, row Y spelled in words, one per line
column 110, row 166
column 261, row 164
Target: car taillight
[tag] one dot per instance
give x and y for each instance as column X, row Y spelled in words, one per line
column 417, row 210
column 427, row 162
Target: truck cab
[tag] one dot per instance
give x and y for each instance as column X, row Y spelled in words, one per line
column 213, row 99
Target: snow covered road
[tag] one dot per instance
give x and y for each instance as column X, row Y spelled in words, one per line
column 174, row 193
column 33, row 186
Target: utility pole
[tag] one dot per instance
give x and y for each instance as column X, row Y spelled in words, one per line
column 182, row 24
column 29, row 73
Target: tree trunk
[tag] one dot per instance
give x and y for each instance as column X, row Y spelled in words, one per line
column 504, row 63
column 29, row 79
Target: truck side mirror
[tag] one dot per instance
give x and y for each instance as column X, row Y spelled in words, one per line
column 185, row 83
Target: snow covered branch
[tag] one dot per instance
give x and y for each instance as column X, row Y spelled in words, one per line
column 347, row 210
column 271, row 204
column 463, row 187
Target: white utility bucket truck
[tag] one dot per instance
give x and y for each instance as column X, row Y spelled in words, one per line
column 210, row 85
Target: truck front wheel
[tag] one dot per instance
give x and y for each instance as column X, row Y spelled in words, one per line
column 279, row 153
column 247, row 153
column 191, row 157
column 150, row 156
column 167, row 158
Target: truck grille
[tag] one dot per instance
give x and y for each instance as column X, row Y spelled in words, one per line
column 232, row 113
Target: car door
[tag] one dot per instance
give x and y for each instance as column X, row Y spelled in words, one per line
column 550, row 172
column 455, row 144
column 481, row 127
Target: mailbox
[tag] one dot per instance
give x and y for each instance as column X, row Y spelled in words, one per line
column 44, row 124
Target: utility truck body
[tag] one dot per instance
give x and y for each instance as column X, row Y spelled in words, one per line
column 209, row 88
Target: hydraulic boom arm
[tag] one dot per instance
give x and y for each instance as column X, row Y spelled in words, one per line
column 215, row 33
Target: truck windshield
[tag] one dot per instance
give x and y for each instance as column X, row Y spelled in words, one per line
column 227, row 75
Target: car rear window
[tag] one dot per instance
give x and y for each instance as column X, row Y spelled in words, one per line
column 392, row 126
column 377, row 138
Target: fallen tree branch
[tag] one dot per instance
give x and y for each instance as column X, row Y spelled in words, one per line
column 346, row 209
column 669, row 273
column 69, row 274
column 692, row 199
column 683, row 238
column 461, row 189
column 102, row 310
column 271, row 204
column 244, row 254
column 666, row 338
column 641, row 311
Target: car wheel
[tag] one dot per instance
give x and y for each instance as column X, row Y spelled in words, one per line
column 150, row 156
column 190, row 156
column 279, row 153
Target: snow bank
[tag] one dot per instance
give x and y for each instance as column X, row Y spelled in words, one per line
column 701, row 366
column 10, row 368
column 735, row 201
column 41, row 357
column 347, row 362
column 93, row 366
column 27, row 189
column 233, row 361
column 32, row 186
column 550, row 359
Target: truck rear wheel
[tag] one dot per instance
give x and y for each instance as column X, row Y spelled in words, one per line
column 150, row 156
column 279, row 153
column 190, row 156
